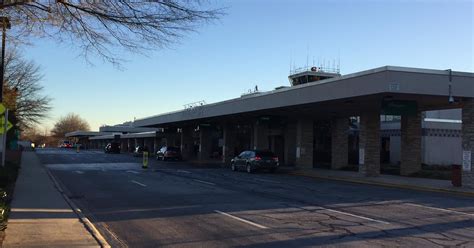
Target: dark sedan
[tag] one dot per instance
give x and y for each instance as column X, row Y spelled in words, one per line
column 255, row 160
column 138, row 152
column 113, row 147
column 168, row 153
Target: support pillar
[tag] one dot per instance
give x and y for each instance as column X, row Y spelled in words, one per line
column 290, row 144
column 369, row 144
column 260, row 136
column 123, row 146
column 410, row 155
column 230, row 139
column 468, row 143
column 304, row 143
column 205, row 138
column 156, row 144
column 339, row 143
column 187, row 143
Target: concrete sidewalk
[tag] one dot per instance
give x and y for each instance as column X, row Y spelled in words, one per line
column 413, row 183
column 40, row 216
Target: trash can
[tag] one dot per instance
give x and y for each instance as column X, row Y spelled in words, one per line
column 456, row 176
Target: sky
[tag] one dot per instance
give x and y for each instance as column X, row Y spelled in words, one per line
column 255, row 43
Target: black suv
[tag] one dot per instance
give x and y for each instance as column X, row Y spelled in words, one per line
column 255, row 160
column 113, row 147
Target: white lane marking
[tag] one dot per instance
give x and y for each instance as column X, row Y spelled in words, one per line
column 354, row 215
column 79, row 172
column 240, row 219
column 183, row 171
column 204, row 182
column 266, row 180
column 141, row 184
column 134, row 172
column 440, row 209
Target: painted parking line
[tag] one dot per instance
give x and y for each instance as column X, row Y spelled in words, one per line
column 266, row 180
column 134, row 172
column 343, row 213
column 355, row 215
column 79, row 172
column 183, row 171
column 241, row 220
column 139, row 183
column 208, row 183
column 439, row 209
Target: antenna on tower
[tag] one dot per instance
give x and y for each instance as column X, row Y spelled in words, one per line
column 307, row 55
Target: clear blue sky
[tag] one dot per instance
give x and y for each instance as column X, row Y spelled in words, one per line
column 253, row 45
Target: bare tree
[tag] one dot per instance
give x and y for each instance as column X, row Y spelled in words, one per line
column 23, row 91
column 97, row 26
column 70, row 122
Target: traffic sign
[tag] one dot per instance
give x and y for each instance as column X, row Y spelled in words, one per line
column 2, row 125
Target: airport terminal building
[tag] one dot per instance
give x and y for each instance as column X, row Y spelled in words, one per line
column 387, row 115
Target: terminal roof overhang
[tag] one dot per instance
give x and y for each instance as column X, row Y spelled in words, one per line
column 79, row 134
column 345, row 95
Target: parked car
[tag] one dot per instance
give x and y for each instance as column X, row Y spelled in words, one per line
column 113, row 147
column 168, row 153
column 138, row 152
column 66, row 144
column 255, row 160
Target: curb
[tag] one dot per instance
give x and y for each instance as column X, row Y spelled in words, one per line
column 87, row 223
column 390, row 185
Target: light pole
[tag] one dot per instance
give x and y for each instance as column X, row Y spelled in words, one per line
column 5, row 25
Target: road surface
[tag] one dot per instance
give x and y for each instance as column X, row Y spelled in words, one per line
column 175, row 204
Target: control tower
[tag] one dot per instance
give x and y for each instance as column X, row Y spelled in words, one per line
column 311, row 74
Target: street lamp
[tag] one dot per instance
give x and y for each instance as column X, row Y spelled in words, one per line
column 5, row 22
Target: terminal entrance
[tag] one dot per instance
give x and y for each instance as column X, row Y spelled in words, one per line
column 322, row 144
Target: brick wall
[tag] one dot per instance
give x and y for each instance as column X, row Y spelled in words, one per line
column 369, row 141
column 411, row 132
column 304, row 143
column 339, row 143
column 468, row 139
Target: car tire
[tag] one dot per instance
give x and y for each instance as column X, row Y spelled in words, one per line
column 248, row 168
column 273, row 170
column 232, row 167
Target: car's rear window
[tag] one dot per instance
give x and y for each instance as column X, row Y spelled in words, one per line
column 173, row 149
column 265, row 154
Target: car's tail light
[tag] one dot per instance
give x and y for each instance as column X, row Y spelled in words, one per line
column 275, row 159
column 257, row 158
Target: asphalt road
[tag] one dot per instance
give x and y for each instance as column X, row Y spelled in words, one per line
column 180, row 205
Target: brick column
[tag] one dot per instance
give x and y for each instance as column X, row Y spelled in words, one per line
column 410, row 154
column 204, row 143
column 260, row 136
column 339, row 143
column 229, row 137
column 187, row 142
column 123, row 145
column 369, row 144
column 304, row 144
column 468, row 142
column 290, row 144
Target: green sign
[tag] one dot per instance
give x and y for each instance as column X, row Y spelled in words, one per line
column 398, row 107
column 2, row 108
column 2, row 125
